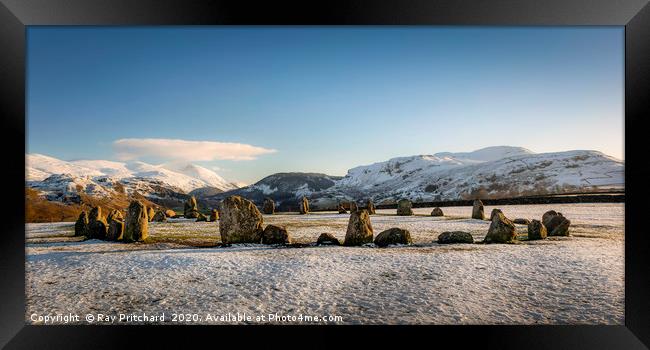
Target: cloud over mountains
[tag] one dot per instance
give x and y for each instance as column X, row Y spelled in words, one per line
column 185, row 150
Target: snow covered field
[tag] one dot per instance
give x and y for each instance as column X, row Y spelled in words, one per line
column 567, row 280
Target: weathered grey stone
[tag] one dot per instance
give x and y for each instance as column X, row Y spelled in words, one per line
column 556, row 224
column 81, row 225
column 501, row 230
column 151, row 213
column 370, row 207
column 114, row 214
column 274, row 234
column 159, row 216
column 359, row 229
column 494, row 212
column 341, row 209
column 136, row 222
column 536, row 230
column 404, row 207
column 437, row 212
column 269, row 206
column 115, row 230
column 304, row 205
column 353, row 207
column 190, row 208
column 327, row 239
column 240, row 222
column 393, row 235
column 214, row 215
column 477, row 210
column 97, row 225
column 450, row 237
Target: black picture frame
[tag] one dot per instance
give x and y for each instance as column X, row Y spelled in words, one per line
column 15, row 15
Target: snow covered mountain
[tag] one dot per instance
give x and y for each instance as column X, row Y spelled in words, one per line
column 284, row 188
column 493, row 172
column 59, row 179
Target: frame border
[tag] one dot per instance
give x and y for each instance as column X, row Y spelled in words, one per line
column 15, row 15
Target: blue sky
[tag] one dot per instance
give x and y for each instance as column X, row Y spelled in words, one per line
column 272, row 99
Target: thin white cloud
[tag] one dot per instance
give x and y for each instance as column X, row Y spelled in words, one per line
column 175, row 150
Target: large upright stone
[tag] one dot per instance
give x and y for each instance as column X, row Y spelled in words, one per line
column 97, row 225
column 404, row 207
column 494, row 212
column 304, row 205
column 115, row 230
column 137, row 223
column 214, row 215
column 501, row 230
column 190, row 208
column 341, row 209
column 159, row 216
column 151, row 213
column 353, row 207
column 556, row 224
column 536, row 230
column 477, row 210
column 240, row 222
column 371, row 207
column 81, row 226
column 269, row 206
column 359, row 229
column 114, row 214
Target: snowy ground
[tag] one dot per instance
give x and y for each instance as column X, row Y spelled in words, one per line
column 572, row 280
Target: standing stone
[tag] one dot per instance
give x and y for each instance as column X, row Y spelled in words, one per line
column 114, row 214
column 341, row 209
column 437, row 212
column 477, row 210
column 546, row 217
column 494, row 212
column 115, row 230
column 201, row 217
column 304, row 206
column 97, row 226
column 501, row 230
column 371, row 207
column 353, row 207
column 269, row 206
column 327, row 239
column 190, row 208
column 159, row 216
column 393, row 236
column 170, row 213
column 404, row 207
column 359, row 229
column 137, row 223
column 240, row 222
column 81, row 226
column 536, row 230
column 274, row 234
column 214, row 215
column 151, row 213
column 556, row 224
